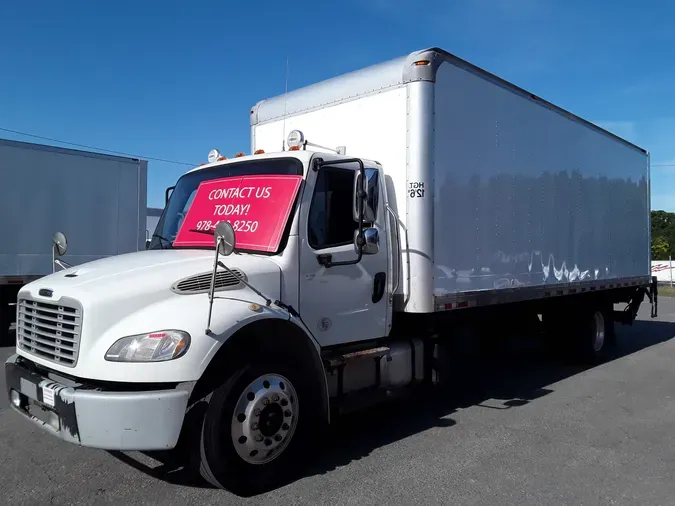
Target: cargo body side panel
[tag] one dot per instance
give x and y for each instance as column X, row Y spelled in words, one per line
column 526, row 196
column 98, row 201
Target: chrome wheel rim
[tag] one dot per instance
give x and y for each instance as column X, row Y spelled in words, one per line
column 264, row 419
column 599, row 337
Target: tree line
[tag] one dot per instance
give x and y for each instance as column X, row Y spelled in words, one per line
column 663, row 235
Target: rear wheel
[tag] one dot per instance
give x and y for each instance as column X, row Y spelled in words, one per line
column 581, row 334
column 257, row 425
column 593, row 339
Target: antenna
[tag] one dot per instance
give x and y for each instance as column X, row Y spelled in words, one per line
column 283, row 140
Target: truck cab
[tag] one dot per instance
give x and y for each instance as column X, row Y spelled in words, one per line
column 106, row 347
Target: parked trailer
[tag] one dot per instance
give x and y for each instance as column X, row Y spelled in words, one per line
column 284, row 287
column 97, row 200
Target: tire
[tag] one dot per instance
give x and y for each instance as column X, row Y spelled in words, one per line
column 593, row 337
column 279, row 396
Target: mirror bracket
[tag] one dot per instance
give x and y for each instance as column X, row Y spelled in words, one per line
column 225, row 239
column 167, row 194
column 59, row 248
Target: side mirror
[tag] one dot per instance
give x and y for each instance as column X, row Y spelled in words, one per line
column 369, row 241
column 370, row 189
column 167, row 194
column 60, row 244
column 224, row 238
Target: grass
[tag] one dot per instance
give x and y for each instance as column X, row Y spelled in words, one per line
column 666, row 291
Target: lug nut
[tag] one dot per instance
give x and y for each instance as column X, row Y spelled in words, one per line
column 275, row 397
column 268, row 442
column 284, row 402
column 258, row 438
column 287, row 413
column 254, row 426
column 285, row 426
column 277, row 437
column 256, row 411
column 265, row 401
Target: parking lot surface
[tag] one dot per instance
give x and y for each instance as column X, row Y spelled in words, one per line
column 522, row 429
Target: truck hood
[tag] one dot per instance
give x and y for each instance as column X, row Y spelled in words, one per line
column 143, row 292
column 150, row 271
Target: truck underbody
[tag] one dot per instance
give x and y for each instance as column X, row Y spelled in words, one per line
column 563, row 316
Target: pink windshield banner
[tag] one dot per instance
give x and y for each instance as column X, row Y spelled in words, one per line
column 258, row 208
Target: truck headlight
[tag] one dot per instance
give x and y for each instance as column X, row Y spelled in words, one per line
column 152, row 347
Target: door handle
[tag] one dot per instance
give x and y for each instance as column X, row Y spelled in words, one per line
column 379, row 282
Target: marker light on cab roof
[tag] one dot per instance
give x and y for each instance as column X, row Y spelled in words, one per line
column 213, row 155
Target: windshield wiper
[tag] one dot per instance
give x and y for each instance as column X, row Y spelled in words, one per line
column 161, row 238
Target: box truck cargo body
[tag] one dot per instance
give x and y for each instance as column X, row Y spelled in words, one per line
column 97, row 200
column 384, row 220
column 497, row 189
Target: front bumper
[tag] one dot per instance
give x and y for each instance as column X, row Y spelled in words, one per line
column 111, row 420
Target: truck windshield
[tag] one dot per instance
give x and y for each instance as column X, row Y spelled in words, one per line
column 186, row 187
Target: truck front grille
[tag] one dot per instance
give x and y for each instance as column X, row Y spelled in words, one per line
column 50, row 330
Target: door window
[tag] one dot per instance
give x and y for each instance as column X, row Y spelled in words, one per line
column 331, row 222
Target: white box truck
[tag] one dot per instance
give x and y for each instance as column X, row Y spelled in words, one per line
column 381, row 216
column 98, row 200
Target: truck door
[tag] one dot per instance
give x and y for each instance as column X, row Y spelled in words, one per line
column 342, row 303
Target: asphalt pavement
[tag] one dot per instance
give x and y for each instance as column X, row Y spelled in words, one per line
column 524, row 428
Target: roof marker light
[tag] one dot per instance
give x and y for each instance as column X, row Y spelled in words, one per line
column 239, row 155
column 259, row 152
column 213, row 155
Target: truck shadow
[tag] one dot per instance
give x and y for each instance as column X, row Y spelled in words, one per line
column 519, row 374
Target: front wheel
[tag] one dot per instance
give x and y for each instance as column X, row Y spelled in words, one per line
column 257, row 425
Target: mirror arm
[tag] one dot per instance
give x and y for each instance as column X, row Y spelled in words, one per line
column 325, row 260
column 166, row 194
column 268, row 302
column 212, row 288
column 62, row 264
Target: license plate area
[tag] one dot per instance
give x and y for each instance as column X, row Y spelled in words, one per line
column 38, row 402
column 48, row 417
column 46, row 402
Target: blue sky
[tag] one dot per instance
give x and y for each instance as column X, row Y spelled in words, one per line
column 174, row 79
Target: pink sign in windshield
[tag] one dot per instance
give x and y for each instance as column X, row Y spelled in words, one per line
column 258, row 208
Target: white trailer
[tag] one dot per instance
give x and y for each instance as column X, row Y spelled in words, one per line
column 412, row 204
column 98, row 200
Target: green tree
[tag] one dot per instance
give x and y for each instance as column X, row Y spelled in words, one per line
column 663, row 226
column 660, row 248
